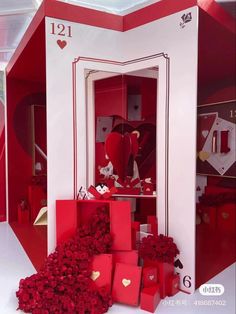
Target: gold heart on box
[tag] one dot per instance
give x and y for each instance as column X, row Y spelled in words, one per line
column 126, row 282
column 151, row 277
column 203, row 155
column 225, row 215
column 95, row 275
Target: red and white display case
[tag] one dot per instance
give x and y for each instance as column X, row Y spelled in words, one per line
column 66, row 51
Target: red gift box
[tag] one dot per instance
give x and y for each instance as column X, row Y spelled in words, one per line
column 70, row 214
column 23, row 215
column 128, row 186
column 135, row 228
column 150, row 298
column 147, row 186
column 125, row 257
column 164, row 272
column 126, row 284
column 102, row 270
column 37, row 199
column 226, row 217
column 149, row 276
column 152, row 220
column 173, row 285
column 209, row 216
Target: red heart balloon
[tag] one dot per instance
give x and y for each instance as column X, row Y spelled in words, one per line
column 118, row 148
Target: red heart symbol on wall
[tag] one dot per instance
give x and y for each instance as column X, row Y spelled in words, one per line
column 61, row 43
column 118, row 148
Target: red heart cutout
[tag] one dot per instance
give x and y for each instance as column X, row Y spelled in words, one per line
column 145, row 152
column 61, row 43
column 118, row 148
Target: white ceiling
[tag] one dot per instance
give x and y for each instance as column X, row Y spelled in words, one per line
column 15, row 16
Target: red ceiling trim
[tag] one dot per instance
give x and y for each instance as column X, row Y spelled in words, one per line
column 61, row 10
column 219, row 14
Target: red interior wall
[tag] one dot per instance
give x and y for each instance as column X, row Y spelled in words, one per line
column 20, row 94
column 2, row 165
column 218, row 92
column 111, row 100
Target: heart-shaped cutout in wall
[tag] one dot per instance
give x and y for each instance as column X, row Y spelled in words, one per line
column 126, row 282
column 118, row 149
column 145, row 152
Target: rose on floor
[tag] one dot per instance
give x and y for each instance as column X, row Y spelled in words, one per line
column 63, row 285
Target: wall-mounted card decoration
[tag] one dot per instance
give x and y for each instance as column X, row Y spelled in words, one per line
column 104, row 127
column 134, row 108
column 216, row 139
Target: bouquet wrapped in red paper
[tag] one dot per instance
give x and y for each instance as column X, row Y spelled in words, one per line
column 159, row 251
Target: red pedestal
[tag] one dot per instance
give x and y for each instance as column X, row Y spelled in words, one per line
column 150, row 298
column 173, row 285
column 102, row 270
column 126, row 284
column 149, row 276
column 37, row 199
column 23, row 215
column 164, row 272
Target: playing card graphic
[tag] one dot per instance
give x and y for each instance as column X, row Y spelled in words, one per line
column 104, row 127
column 218, row 160
column 205, row 123
column 201, row 182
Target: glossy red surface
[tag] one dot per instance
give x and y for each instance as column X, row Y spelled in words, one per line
column 215, row 251
column 34, row 241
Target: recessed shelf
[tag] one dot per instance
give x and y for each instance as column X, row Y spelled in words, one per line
column 134, row 196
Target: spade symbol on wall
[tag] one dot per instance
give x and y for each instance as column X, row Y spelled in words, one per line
column 178, row 264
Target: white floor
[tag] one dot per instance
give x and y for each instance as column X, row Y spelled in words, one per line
column 14, row 265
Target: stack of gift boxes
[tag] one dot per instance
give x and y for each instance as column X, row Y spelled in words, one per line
column 119, row 271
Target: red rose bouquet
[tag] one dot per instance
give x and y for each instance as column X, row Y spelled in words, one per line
column 159, row 248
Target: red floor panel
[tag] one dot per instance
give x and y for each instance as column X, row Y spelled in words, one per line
column 34, row 241
column 215, row 252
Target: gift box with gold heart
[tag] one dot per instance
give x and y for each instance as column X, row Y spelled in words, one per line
column 173, row 283
column 126, row 284
column 149, row 276
column 102, row 270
